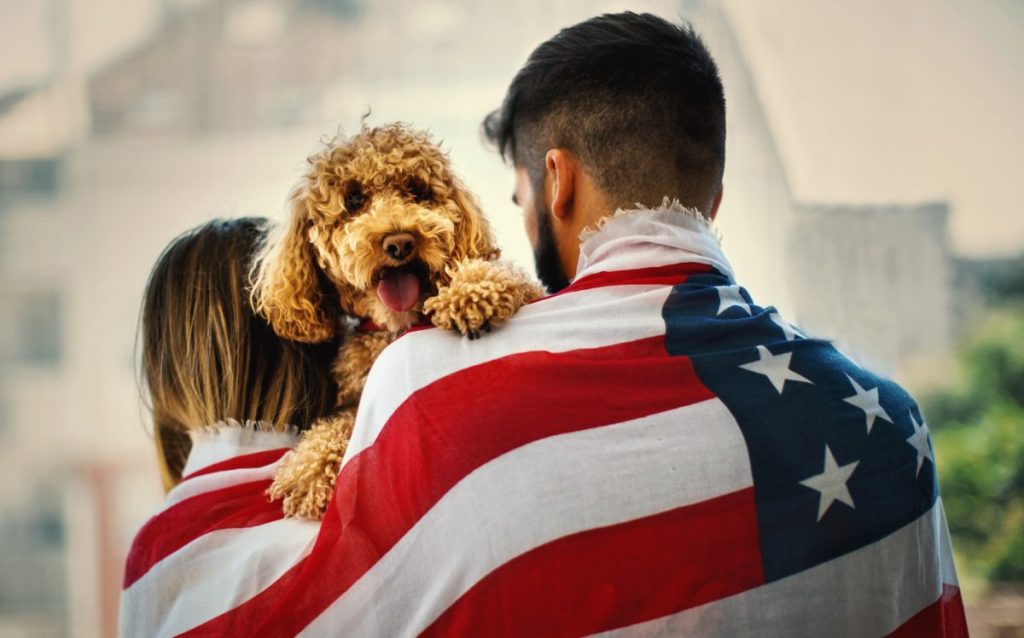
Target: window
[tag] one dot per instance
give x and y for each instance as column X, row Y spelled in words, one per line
column 38, row 328
column 30, row 177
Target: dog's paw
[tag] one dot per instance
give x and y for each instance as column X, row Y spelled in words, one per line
column 304, row 480
column 482, row 295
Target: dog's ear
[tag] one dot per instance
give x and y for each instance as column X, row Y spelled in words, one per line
column 288, row 287
column 473, row 239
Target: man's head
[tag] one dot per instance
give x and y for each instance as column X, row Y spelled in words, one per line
column 617, row 110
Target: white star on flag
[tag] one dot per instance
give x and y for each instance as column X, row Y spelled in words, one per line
column 919, row 441
column 775, row 367
column 787, row 328
column 831, row 483
column 867, row 400
column 729, row 296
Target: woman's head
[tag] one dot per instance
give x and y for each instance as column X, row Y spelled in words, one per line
column 207, row 357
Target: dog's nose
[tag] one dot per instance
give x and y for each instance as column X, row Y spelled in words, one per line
column 400, row 245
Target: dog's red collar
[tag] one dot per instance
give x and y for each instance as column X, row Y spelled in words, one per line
column 367, row 325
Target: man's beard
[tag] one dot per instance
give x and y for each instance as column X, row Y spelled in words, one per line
column 545, row 255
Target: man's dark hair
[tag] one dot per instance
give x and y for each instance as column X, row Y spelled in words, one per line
column 636, row 98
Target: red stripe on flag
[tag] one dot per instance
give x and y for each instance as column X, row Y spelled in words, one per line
column 442, row 433
column 243, row 462
column 670, row 275
column 657, row 565
column 241, row 505
column 945, row 617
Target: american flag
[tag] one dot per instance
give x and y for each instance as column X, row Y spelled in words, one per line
column 648, row 453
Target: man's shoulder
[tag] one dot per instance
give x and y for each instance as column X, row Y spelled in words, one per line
column 574, row 320
column 422, row 356
column 422, row 347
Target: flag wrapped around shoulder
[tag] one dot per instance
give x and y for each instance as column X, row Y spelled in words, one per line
column 218, row 540
column 649, row 452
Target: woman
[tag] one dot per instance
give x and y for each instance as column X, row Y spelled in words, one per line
column 227, row 397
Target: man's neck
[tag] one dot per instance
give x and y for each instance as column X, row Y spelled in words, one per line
column 669, row 232
column 587, row 206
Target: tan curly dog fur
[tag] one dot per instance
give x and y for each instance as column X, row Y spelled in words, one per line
column 382, row 231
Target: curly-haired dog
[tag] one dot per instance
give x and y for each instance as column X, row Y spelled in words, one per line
column 383, row 231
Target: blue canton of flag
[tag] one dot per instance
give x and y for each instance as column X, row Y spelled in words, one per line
column 840, row 457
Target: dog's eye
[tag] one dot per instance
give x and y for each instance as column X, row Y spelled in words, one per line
column 418, row 190
column 354, row 197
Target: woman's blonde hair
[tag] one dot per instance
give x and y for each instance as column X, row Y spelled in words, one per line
column 207, row 357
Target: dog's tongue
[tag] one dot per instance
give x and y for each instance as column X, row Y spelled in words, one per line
column 399, row 290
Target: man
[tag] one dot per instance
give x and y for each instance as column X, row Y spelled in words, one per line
column 646, row 452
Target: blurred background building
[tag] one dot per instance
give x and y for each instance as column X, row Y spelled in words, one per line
column 123, row 124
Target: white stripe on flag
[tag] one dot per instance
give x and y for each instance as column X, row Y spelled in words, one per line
column 217, row 481
column 617, row 249
column 895, row 578
column 948, row 566
column 612, row 315
column 225, row 440
column 211, row 575
column 537, row 493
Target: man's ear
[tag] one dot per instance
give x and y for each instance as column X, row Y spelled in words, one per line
column 716, row 202
column 559, row 182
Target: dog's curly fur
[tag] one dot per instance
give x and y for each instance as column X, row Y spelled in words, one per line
column 325, row 263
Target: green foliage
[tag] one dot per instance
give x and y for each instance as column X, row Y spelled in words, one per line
column 995, row 360
column 978, row 434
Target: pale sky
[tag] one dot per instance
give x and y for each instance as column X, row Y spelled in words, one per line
column 897, row 101
column 870, row 101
